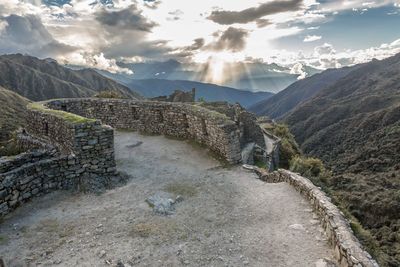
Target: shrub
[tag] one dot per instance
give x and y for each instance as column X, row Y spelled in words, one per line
column 288, row 147
column 308, row 167
column 10, row 147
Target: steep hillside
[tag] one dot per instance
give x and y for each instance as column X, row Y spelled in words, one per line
column 354, row 127
column 12, row 112
column 38, row 79
column 207, row 91
column 298, row 92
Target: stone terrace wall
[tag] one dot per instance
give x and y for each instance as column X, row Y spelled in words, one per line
column 88, row 140
column 348, row 250
column 207, row 127
column 26, row 180
column 75, row 152
column 250, row 131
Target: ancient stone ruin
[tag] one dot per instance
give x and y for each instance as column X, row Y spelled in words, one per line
column 70, row 144
column 178, row 96
column 73, row 148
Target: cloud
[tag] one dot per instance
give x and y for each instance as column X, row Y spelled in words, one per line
column 28, row 35
column 325, row 49
column 233, row 39
column 187, row 52
column 312, row 38
column 254, row 13
column 261, row 23
column 175, row 15
column 152, row 4
column 197, row 44
column 98, row 61
column 298, row 68
column 130, row 18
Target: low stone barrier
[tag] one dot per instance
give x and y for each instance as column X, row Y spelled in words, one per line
column 43, row 175
column 188, row 121
column 348, row 250
column 70, row 147
column 73, row 152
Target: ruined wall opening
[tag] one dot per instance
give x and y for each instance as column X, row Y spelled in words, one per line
column 204, row 127
column 135, row 113
column 46, row 128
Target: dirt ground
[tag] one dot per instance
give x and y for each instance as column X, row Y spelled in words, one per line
column 227, row 217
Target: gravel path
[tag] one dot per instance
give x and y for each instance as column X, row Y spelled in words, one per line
column 227, row 217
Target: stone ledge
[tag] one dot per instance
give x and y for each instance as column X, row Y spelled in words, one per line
column 348, row 250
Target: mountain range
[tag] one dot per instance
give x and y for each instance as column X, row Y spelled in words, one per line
column 286, row 100
column 249, row 76
column 350, row 118
column 40, row 79
column 12, row 112
column 206, row 91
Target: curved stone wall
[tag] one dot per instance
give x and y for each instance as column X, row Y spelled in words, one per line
column 68, row 151
column 189, row 121
column 72, row 147
column 348, row 250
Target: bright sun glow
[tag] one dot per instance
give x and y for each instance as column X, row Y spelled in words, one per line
column 219, row 66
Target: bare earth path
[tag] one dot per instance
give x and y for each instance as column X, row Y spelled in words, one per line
column 226, row 218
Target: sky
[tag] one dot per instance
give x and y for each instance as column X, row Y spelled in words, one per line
column 99, row 33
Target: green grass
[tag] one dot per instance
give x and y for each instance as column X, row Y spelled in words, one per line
column 210, row 113
column 109, row 94
column 69, row 117
column 3, row 240
column 260, row 164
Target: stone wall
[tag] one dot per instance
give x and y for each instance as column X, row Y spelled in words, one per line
column 88, row 140
column 66, row 151
column 347, row 248
column 29, row 179
column 70, row 147
column 205, row 126
column 250, row 131
column 273, row 160
column 178, row 96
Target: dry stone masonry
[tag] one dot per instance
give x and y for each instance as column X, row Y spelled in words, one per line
column 347, row 248
column 187, row 121
column 71, row 146
column 68, row 152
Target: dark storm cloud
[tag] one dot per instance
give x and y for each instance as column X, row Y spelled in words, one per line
column 197, row 44
column 261, row 23
column 28, row 35
column 254, row 13
column 233, row 39
column 130, row 18
column 130, row 44
column 187, row 52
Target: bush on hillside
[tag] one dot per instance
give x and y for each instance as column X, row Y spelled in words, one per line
column 308, row 167
column 313, row 169
column 10, row 148
column 288, row 147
